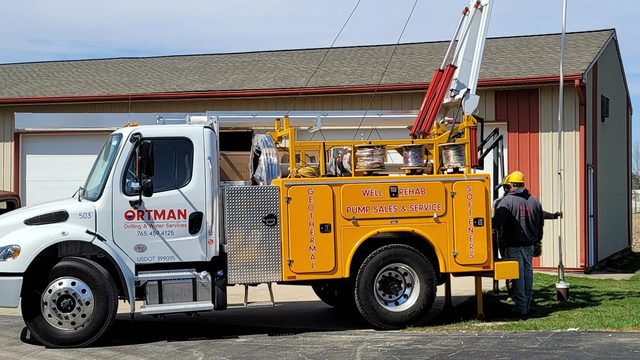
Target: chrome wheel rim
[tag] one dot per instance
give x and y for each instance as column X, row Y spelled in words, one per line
column 396, row 287
column 67, row 303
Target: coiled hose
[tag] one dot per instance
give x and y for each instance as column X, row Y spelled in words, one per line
column 264, row 160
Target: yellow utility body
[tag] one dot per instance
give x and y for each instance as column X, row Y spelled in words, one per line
column 330, row 223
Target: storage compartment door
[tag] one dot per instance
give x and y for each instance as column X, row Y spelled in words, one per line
column 311, row 229
column 470, row 221
column 252, row 233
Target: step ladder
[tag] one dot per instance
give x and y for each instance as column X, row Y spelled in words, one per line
column 257, row 303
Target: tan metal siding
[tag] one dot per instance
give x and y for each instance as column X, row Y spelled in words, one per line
column 612, row 157
column 571, row 199
column 387, row 101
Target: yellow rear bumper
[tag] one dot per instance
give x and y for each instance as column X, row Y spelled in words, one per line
column 506, row 269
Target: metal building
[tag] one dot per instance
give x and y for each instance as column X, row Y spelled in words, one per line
column 518, row 88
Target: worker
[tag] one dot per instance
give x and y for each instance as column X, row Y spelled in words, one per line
column 506, row 186
column 519, row 216
column 537, row 251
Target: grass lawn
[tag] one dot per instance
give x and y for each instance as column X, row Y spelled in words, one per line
column 595, row 304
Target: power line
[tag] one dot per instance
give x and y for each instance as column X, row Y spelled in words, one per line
column 324, row 57
column 385, row 69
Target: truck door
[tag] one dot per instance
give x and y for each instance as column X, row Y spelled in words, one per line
column 311, row 229
column 170, row 225
column 470, row 222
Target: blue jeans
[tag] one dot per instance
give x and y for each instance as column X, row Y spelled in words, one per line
column 523, row 286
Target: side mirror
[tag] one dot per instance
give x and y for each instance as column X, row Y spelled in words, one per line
column 145, row 172
column 147, row 157
column 147, row 187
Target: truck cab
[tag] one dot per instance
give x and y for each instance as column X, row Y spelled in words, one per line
column 108, row 230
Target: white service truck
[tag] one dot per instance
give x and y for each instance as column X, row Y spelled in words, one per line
column 154, row 223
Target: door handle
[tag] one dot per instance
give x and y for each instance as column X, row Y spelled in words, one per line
column 195, row 222
column 270, row 220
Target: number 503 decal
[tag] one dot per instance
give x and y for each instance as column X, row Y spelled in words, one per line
column 84, row 215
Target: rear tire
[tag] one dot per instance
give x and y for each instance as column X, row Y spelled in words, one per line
column 75, row 307
column 337, row 294
column 395, row 287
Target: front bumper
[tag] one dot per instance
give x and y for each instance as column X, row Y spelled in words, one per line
column 10, row 287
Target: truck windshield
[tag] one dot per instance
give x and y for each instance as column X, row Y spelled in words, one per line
column 101, row 167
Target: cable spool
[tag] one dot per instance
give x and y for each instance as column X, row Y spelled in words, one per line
column 453, row 155
column 264, row 160
column 370, row 157
column 413, row 156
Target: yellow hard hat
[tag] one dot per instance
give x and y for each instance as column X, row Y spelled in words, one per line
column 506, row 180
column 516, row 177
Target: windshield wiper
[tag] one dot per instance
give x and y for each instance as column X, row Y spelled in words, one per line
column 79, row 192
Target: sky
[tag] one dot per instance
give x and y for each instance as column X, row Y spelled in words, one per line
column 43, row 30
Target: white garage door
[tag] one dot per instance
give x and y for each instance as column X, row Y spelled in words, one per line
column 54, row 166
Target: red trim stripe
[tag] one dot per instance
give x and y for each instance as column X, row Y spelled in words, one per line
column 16, row 163
column 542, row 268
column 583, row 203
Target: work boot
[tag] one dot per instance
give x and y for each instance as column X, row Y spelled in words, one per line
column 517, row 314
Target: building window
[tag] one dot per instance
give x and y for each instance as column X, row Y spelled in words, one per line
column 173, row 166
column 604, row 107
column 236, row 140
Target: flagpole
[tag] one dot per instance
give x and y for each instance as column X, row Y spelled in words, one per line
column 562, row 288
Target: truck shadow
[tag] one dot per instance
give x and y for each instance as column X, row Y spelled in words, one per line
column 285, row 319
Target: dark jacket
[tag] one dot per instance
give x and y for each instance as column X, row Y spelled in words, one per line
column 520, row 216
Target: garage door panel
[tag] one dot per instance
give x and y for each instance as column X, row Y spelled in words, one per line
column 54, row 166
column 41, row 192
column 63, row 144
column 58, row 167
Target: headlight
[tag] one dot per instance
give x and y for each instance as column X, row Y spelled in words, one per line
column 10, row 252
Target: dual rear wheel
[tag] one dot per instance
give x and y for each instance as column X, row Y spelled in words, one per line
column 394, row 287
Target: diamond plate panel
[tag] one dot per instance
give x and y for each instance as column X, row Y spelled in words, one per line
column 254, row 248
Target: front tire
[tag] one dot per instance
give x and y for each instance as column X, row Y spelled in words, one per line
column 77, row 305
column 395, row 287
